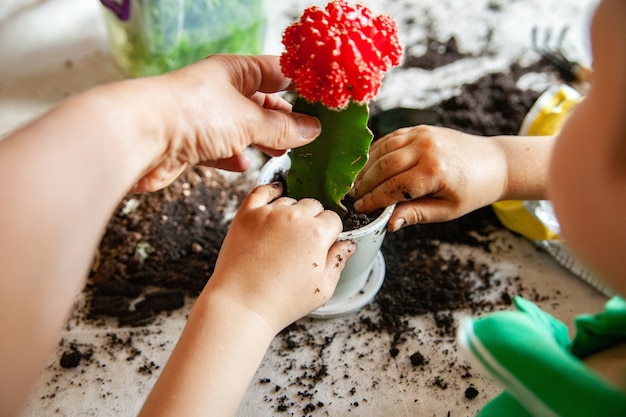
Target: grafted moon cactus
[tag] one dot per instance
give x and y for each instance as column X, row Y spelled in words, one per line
column 336, row 57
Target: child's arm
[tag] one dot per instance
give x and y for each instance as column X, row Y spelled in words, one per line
column 438, row 174
column 275, row 266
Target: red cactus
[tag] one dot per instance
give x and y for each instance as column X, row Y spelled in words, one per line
column 339, row 53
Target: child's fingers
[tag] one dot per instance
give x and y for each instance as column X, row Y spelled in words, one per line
column 285, row 201
column 338, row 255
column 392, row 142
column 423, row 210
column 405, row 186
column 332, row 223
column 386, row 168
column 311, row 206
column 263, row 195
column 375, row 199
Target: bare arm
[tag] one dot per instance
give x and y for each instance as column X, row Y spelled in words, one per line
column 527, row 162
column 60, row 181
column 62, row 175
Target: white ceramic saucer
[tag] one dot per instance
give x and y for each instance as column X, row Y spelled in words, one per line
column 352, row 304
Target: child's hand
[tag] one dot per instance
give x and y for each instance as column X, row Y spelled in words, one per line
column 434, row 174
column 280, row 258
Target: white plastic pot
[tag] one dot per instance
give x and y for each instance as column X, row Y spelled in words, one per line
column 364, row 272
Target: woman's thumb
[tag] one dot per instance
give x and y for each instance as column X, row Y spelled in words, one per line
column 281, row 130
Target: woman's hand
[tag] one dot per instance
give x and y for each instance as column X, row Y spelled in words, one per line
column 213, row 110
column 280, row 258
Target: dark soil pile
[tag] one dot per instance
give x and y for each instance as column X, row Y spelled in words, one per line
column 160, row 247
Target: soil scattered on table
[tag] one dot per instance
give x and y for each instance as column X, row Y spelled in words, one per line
column 160, row 249
column 471, row 393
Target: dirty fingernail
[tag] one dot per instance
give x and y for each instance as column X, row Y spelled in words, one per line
column 309, row 127
column 358, row 205
column 397, row 225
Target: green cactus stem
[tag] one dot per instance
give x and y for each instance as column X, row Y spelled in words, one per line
column 325, row 169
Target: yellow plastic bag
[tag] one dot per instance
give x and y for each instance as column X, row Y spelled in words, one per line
column 545, row 118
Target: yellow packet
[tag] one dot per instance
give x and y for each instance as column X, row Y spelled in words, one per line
column 545, row 118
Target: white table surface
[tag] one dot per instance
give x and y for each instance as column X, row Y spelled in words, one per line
column 50, row 49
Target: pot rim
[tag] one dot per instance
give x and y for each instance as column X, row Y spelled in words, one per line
column 374, row 224
column 282, row 163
